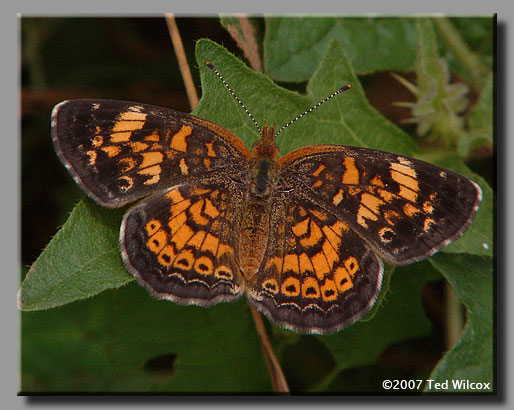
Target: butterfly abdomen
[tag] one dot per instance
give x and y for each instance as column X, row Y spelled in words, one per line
column 254, row 237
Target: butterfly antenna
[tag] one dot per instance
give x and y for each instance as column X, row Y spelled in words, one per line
column 209, row 64
column 346, row 87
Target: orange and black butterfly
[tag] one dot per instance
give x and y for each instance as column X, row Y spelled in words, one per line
column 303, row 235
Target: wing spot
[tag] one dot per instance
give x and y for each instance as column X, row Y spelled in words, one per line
column 204, row 266
column 305, row 264
column 377, row 180
column 314, row 237
column 321, row 215
column 166, row 255
column 386, row 195
column 111, row 150
column 151, row 158
column 291, row 287
column 343, row 279
column 319, row 261
column 319, row 170
column 365, row 213
column 176, row 222
column 184, row 260
column 98, row 140
column 270, row 285
column 152, row 226
column 125, row 183
column 301, row 228
column 223, row 272
column 154, row 136
column 127, row 122
column 392, row 217
column 182, row 236
column 352, row 265
column 175, row 195
column 291, row 263
column 197, row 240
column 329, row 290
column 154, row 171
column 351, row 173
column 179, row 207
column 178, row 141
column 338, row 197
column 184, row 169
column 427, row 225
column 386, row 235
column 403, row 168
column 310, row 288
column 127, row 164
column 196, row 213
column 428, row 207
column 138, row 146
column 330, row 253
column 210, row 244
column 92, row 157
column 210, row 150
column 410, row 210
column 210, row 210
column 157, row 241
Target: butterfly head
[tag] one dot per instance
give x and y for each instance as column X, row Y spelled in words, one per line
column 266, row 147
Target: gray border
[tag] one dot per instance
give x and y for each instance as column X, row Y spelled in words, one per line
column 10, row 161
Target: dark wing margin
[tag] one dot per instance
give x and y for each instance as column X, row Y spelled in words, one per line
column 120, row 151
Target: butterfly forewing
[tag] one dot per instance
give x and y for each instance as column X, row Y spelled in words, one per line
column 404, row 208
column 120, row 151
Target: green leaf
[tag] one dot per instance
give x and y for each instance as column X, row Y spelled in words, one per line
column 347, row 119
column 401, row 316
column 125, row 341
column 480, row 121
column 294, row 47
column 471, row 277
column 81, row 260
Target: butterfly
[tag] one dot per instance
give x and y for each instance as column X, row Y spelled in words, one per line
column 303, row 235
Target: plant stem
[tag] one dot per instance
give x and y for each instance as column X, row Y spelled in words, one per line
column 477, row 70
column 278, row 379
column 454, row 321
column 182, row 60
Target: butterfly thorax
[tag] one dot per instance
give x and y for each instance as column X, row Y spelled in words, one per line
column 256, row 215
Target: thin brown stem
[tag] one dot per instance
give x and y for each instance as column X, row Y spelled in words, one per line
column 182, row 60
column 278, row 379
column 247, row 42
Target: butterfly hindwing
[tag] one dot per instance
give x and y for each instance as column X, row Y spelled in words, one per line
column 317, row 275
column 180, row 245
